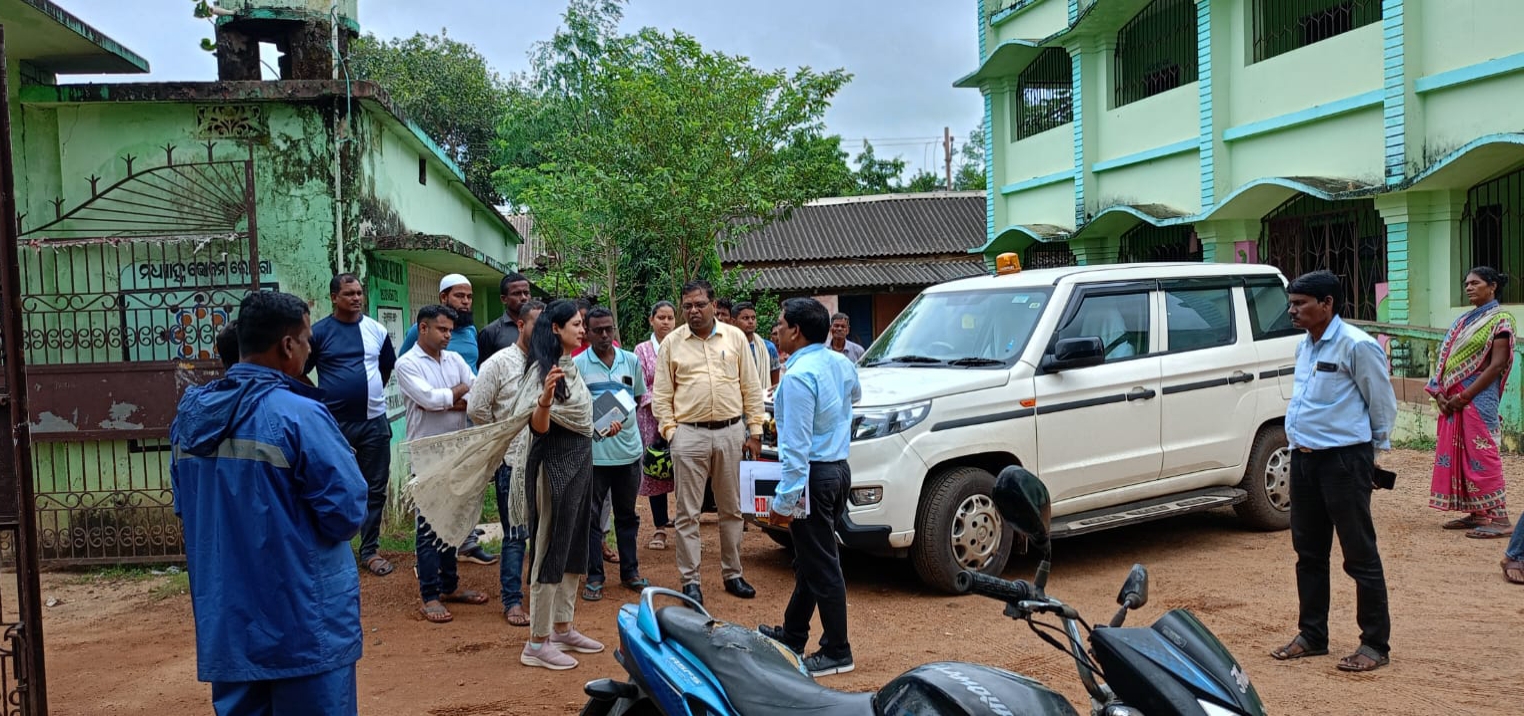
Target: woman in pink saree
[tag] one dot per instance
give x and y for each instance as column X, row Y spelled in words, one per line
column 1468, row 388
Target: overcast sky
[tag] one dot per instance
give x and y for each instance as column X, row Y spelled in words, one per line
column 904, row 54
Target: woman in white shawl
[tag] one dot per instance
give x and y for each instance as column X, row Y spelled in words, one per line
column 554, row 501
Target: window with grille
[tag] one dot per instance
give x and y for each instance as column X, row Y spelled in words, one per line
column 1281, row 26
column 1156, row 51
column 1044, row 96
column 1493, row 235
column 1048, row 255
column 1149, row 243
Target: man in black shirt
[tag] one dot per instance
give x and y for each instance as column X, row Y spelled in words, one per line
column 504, row 332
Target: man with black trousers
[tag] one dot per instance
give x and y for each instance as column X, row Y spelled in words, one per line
column 814, row 416
column 1342, row 410
column 353, row 355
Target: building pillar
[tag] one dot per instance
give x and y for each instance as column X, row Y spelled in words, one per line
column 1423, row 236
column 1095, row 250
column 1229, row 241
column 1092, row 77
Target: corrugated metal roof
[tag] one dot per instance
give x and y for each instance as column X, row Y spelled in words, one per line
column 848, row 274
column 868, row 227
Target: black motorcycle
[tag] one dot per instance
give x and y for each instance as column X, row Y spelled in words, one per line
column 683, row 662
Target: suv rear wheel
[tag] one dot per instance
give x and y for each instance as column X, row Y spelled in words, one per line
column 959, row 528
column 1268, row 482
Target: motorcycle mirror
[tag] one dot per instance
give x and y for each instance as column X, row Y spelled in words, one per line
column 1023, row 501
column 1134, row 592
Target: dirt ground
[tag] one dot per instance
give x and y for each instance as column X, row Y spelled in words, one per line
column 116, row 648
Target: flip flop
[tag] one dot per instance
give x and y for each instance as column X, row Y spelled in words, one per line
column 516, row 619
column 436, row 614
column 1464, row 523
column 1512, row 567
column 1492, row 531
column 464, row 597
column 592, row 592
column 637, row 584
column 609, row 555
column 378, row 566
column 1373, row 661
column 1297, row 649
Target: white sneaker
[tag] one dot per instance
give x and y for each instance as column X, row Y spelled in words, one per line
column 546, row 655
column 574, row 640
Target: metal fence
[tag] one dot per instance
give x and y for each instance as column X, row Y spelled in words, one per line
column 1492, row 232
column 1044, row 96
column 1347, row 237
column 1156, row 51
column 1281, row 26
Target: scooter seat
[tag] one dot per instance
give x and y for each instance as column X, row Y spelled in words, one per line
column 760, row 676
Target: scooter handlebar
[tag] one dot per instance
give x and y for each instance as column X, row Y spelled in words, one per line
column 970, row 582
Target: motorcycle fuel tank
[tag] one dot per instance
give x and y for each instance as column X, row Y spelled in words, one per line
column 954, row 689
column 1175, row 666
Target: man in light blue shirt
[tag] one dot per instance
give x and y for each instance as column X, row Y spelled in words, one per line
column 814, row 416
column 1342, row 410
column 616, row 456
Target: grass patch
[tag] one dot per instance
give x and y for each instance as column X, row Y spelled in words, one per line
column 1426, row 443
column 121, row 573
column 174, row 585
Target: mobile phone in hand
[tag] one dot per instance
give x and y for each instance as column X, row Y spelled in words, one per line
column 1384, row 478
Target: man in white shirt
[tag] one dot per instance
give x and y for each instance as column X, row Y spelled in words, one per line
column 434, row 383
column 490, row 401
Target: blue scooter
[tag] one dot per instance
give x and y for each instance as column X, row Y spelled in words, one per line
column 683, row 662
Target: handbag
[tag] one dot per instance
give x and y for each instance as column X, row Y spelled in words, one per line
column 657, row 464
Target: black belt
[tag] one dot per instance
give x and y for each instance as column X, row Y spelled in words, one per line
column 715, row 424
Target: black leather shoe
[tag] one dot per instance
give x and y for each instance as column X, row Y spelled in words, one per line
column 693, row 592
column 776, row 634
column 740, row 588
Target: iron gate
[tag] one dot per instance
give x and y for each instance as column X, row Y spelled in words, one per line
column 23, row 678
column 1492, row 232
column 123, row 297
column 1346, row 237
column 1047, row 255
column 1149, row 243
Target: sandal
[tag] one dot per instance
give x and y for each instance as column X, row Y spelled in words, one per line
column 1513, row 570
column 378, row 566
column 1465, row 523
column 516, row 617
column 1490, row 531
column 436, row 614
column 658, row 540
column 1297, row 649
column 1364, row 659
column 592, row 592
column 609, row 555
column 464, row 596
column 637, row 584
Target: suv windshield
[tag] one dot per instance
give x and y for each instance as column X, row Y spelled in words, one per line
column 965, row 329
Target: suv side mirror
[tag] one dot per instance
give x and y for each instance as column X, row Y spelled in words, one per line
column 1071, row 353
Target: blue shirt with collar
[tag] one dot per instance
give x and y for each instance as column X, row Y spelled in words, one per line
column 814, row 416
column 625, row 376
column 1343, row 392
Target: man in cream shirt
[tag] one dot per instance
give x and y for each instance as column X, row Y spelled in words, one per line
column 707, row 400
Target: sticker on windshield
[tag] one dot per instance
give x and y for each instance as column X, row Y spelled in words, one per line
column 969, row 321
column 1023, row 298
column 1034, row 305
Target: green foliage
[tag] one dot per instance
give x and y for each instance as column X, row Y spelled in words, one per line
column 447, row 88
column 878, row 176
column 640, row 154
column 924, row 181
column 970, row 172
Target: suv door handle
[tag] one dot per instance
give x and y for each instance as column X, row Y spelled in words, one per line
column 1240, row 377
column 1140, row 394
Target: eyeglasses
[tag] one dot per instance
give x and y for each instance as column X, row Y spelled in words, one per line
column 696, row 306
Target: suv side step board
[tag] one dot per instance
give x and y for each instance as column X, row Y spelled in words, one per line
column 1147, row 510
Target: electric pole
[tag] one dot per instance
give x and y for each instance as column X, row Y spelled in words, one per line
column 947, row 146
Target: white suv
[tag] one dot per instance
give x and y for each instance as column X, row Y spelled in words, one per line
column 1135, row 391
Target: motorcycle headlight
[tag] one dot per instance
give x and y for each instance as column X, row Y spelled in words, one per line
column 871, row 423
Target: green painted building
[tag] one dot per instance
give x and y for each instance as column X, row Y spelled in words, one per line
column 1380, row 139
column 148, row 209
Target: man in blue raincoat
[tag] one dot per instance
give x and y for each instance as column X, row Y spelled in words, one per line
column 270, row 495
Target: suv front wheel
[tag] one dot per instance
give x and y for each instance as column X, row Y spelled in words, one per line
column 1268, row 482
column 958, row 528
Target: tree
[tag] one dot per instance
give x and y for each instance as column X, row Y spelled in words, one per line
column 824, row 155
column 924, row 181
column 970, row 172
column 447, row 88
column 650, row 151
column 877, row 176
